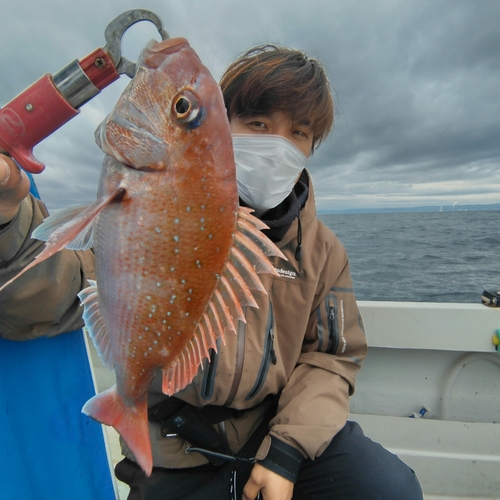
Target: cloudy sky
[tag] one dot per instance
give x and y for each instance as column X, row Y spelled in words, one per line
column 417, row 86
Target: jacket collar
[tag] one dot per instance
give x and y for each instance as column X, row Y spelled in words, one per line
column 280, row 218
column 283, row 219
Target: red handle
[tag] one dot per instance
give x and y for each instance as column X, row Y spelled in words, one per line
column 41, row 109
column 30, row 117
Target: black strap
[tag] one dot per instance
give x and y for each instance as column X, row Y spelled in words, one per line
column 195, row 425
column 212, row 413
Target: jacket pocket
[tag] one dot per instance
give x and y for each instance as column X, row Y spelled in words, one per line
column 268, row 355
column 210, row 369
column 328, row 325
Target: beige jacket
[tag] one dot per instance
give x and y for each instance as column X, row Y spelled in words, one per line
column 43, row 302
column 306, row 341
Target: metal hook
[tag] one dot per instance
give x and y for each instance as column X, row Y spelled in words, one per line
column 114, row 33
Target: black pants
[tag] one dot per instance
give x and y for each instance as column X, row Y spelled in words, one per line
column 353, row 467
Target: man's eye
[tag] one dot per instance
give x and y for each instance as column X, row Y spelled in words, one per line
column 258, row 124
column 301, row 133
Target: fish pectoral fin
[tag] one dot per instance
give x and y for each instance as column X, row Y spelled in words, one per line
column 95, row 323
column 70, row 228
column 57, row 225
column 131, row 422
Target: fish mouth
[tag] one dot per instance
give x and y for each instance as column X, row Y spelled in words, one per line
column 155, row 54
column 167, row 47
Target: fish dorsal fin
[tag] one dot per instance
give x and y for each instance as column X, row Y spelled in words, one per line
column 95, row 323
column 70, row 228
column 235, row 290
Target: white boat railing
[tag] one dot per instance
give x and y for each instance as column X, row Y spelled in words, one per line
column 429, row 325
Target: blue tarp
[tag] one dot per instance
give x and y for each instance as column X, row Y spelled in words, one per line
column 49, row 450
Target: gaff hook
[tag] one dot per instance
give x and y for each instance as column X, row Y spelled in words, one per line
column 114, row 34
column 54, row 100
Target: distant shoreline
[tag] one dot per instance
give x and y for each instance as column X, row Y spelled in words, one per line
column 429, row 208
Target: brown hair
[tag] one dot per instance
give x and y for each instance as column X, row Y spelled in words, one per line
column 270, row 78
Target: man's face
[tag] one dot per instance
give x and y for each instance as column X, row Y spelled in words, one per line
column 275, row 123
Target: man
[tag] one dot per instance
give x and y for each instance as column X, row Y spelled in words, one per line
column 280, row 387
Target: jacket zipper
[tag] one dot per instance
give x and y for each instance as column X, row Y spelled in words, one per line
column 268, row 356
column 240, row 357
column 333, row 340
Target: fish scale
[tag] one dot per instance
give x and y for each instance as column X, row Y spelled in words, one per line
column 176, row 259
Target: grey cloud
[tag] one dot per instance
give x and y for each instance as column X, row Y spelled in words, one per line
column 416, row 86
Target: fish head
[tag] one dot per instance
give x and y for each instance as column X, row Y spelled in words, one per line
column 171, row 110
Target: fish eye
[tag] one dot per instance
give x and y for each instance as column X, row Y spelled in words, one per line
column 182, row 106
column 187, row 109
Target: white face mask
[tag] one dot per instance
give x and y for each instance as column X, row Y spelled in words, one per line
column 267, row 167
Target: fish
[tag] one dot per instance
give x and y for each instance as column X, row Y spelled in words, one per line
column 176, row 258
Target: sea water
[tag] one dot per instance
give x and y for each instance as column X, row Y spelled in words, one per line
column 421, row 256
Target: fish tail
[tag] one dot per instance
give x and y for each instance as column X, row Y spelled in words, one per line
column 130, row 421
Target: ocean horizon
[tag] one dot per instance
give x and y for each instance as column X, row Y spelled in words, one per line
column 438, row 256
column 455, row 207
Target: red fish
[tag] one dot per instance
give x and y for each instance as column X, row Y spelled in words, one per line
column 176, row 259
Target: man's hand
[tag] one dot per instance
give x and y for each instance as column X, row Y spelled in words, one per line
column 14, row 187
column 271, row 486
